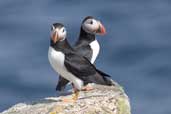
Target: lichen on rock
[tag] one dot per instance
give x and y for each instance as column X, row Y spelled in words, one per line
column 100, row 100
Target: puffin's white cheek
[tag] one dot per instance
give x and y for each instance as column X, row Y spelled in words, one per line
column 90, row 28
column 95, row 25
column 59, row 35
column 62, row 35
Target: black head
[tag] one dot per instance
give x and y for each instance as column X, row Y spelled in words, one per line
column 58, row 32
column 86, row 18
column 93, row 26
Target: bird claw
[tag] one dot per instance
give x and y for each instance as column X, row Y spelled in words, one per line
column 73, row 99
column 68, row 100
column 87, row 88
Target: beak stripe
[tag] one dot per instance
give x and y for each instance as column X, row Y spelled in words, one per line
column 101, row 30
column 54, row 37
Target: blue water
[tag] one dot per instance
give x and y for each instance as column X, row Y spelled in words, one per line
column 136, row 50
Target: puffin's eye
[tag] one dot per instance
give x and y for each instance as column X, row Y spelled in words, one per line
column 91, row 22
column 51, row 28
column 63, row 30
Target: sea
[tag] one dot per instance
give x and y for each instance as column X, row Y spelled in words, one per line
column 136, row 50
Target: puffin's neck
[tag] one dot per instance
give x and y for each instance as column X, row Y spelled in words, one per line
column 85, row 36
column 61, row 45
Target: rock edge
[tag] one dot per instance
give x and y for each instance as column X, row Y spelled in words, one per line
column 100, row 100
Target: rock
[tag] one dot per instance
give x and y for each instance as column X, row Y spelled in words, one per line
column 100, row 100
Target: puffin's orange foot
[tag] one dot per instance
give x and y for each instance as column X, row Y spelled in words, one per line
column 67, row 100
column 87, row 88
column 73, row 99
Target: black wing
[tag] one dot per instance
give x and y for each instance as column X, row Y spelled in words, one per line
column 79, row 65
column 102, row 73
column 83, row 69
column 84, row 50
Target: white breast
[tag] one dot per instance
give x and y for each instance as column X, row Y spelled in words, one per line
column 96, row 48
column 56, row 59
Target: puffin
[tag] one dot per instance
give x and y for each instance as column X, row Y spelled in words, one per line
column 87, row 44
column 70, row 65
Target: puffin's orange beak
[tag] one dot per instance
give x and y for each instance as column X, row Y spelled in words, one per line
column 54, row 36
column 101, row 29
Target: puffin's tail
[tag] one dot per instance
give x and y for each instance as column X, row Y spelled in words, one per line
column 107, row 78
column 108, row 81
column 102, row 73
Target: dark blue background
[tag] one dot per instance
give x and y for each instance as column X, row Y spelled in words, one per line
column 136, row 50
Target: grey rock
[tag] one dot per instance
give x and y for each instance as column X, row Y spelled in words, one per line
column 100, row 100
